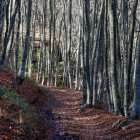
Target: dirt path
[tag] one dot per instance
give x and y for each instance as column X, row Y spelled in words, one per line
column 68, row 123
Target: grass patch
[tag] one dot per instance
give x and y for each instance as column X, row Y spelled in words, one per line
column 16, row 104
column 29, row 80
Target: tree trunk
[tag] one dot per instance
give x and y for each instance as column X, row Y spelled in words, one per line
column 26, row 43
column 114, row 80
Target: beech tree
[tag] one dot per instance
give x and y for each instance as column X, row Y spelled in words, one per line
column 9, row 33
column 2, row 15
column 26, row 42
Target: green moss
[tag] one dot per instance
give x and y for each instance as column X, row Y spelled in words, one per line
column 28, row 79
column 17, row 100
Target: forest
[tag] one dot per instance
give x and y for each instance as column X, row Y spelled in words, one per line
column 69, row 69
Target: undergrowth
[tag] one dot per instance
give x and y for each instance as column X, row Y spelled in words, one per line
column 11, row 102
column 28, row 79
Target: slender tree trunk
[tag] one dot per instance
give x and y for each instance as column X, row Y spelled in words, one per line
column 86, row 48
column 16, row 46
column 114, row 80
column 26, row 43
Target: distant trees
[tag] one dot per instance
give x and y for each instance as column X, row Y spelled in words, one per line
column 88, row 45
column 10, row 15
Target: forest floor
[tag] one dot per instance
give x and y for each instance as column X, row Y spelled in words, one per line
column 50, row 113
column 20, row 110
column 91, row 124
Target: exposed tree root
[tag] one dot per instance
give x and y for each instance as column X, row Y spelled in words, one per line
column 83, row 107
column 120, row 124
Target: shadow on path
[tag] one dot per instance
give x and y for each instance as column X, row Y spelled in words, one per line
column 67, row 123
column 48, row 112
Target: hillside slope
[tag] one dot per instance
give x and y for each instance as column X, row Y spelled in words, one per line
column 20, row 116
column 30, row 112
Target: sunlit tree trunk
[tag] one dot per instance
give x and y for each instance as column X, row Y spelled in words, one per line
column 2, row 16
column 113, row 68
column 30, row 54
column 50, row 78
column 95, row 57
column 44, row 40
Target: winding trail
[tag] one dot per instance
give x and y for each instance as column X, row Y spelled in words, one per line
column 67, row 123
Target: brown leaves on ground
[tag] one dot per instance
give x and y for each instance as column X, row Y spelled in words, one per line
column 10, row 126
column 58, row 115
column 91, row 124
